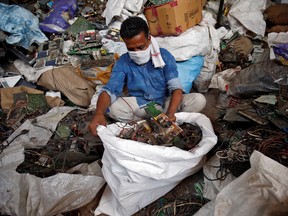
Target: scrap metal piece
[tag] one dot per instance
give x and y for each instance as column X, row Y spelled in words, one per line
column 252, row 115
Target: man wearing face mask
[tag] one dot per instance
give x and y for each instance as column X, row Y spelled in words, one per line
column 149, row 74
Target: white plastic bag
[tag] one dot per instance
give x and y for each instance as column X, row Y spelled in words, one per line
column 260, row 191
column 138, row 173
column 202, row 82
column 247, row 14
column 116, row 8
column 222, row 79
column 194, row 41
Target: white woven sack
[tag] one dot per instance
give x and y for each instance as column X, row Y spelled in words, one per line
column 138, row 173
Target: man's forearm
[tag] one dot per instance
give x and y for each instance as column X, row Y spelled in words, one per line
column 175, row 100
column 103, row 103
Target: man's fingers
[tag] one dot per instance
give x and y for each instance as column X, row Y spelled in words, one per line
column 93, row 128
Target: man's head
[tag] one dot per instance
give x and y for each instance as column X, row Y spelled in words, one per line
column 133, row 26
column 134, row 31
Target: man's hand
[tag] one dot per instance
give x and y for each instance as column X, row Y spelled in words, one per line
column 99, row 119
column 171, row 117
column 175, row 100
column 96, row 121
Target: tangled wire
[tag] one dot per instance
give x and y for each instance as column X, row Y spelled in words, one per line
column 235, row 157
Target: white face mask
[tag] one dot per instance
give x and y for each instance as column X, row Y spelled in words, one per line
column 141, row 57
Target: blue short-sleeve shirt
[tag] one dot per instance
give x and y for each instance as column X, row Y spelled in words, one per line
column 145, row 82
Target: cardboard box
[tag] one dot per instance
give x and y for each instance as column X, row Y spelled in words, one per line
column 174, row 17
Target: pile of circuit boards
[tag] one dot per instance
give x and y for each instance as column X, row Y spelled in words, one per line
column 159, row 131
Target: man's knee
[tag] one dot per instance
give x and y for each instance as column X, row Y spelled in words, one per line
column 123, row 109
column 193, row 102
column 120, row 113
column 201, row 102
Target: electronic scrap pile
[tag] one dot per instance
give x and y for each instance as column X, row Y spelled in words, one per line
column 159, row 131
column 71, row 144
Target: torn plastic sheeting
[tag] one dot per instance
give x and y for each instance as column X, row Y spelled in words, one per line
column 139, row 173
column 260, row 191
column 25, row 194
column 246, row 14
column 21, row 24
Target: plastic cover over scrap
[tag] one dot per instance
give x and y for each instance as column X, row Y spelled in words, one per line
column 28, row 195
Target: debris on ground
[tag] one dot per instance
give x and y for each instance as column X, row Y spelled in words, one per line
column 70, row 145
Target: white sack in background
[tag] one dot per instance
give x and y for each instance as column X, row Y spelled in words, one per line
column 276, row 38
column 207, row 19
column 194, row 41
column 260, row 191
column 114, row 8
column 138, row 173
column 201, row 84
column 225, row 34
column 213, row 7
column 25, row 194
column 247, row 15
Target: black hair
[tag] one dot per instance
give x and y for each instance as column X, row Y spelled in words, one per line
column 133, row 26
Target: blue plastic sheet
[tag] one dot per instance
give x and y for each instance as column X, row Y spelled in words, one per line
column 189, row 70
column 57, row 19
column 21, row 24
